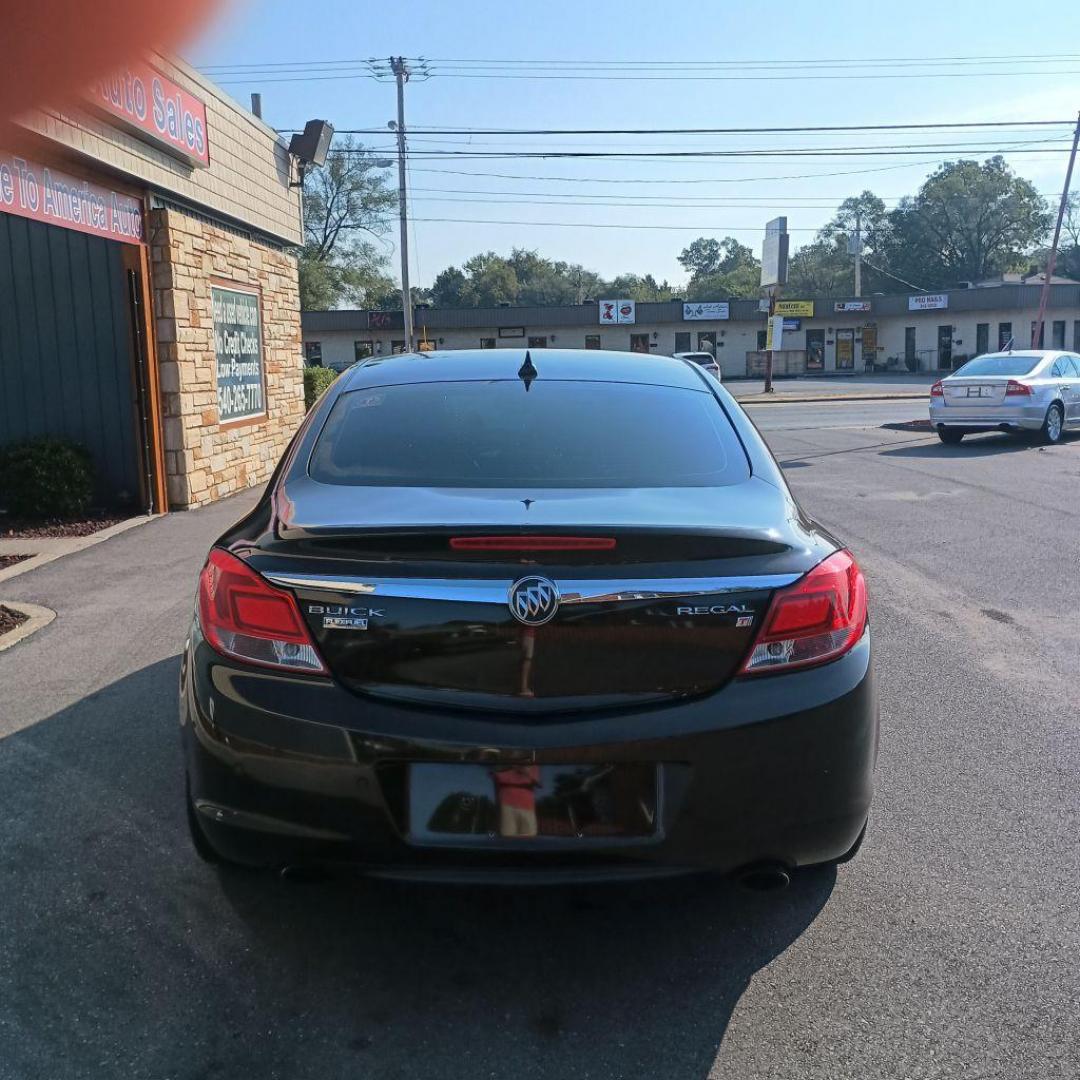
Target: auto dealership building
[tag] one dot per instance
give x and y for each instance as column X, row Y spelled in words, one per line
column 149, row 306
column 822, row 335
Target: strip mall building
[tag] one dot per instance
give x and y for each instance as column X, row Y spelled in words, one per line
column 822, row 335
column 149, row 307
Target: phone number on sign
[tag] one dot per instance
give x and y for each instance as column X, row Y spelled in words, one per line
column 235, row 402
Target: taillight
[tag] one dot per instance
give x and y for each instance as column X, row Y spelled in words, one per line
column 937, row 390
column 243, row 616
column 817, row 619
column 1017, row 389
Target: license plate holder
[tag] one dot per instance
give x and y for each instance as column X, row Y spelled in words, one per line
column 576, row 804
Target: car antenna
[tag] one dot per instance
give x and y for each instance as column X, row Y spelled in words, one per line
column 527, row 372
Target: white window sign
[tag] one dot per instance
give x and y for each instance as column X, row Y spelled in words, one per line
column 718, row 310
column 774, row 334
column 617, row 311
column 851, row 305
column 238, row 355
column 928, row 301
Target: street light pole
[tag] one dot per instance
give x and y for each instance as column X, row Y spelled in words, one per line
column 858, row 254
column 401, row 74
column 1044, row 296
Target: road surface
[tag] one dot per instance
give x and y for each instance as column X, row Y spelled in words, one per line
column 948, row 949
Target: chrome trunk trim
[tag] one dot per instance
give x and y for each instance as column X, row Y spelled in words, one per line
column 571, row 591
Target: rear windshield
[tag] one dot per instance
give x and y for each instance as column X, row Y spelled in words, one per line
column 999, row 365
column 558, row 434
column 701, row 358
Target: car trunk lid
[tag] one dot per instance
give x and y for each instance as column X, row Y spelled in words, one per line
column 399, row 609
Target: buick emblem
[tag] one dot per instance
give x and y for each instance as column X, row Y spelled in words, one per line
column 533, row 600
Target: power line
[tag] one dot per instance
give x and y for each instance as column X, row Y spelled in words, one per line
column 502, row 62
column 903, row 281
column 638, row 77
column 622, row 180
column 604, row 225
column 893, row 150
column 431, row 130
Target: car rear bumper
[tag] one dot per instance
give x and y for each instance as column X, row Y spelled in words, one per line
column 989, row 417
column 291, row 770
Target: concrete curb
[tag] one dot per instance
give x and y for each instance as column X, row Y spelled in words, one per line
column 37, row 619
column 791, row 399
column 57, row 548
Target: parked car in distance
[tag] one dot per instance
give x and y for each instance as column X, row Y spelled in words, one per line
column 501, row 617
column 704, row 360
column 1034, row 390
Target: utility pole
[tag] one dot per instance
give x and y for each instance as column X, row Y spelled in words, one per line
column 858, row 254
column 1037, row 329
column 401, row 74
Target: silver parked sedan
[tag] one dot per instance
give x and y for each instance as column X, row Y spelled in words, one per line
column 704, row 360
column 1034, row 390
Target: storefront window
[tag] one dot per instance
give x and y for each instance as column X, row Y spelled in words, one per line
column 682, row 340
column 487, row 343
column 363, row 349
column 592, row 341
column 313, row 353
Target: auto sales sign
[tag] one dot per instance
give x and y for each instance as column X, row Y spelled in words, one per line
column 155, row 108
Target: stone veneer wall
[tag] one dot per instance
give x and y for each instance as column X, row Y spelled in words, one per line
column 203, row 462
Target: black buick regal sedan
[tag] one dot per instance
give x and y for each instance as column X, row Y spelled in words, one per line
column 513, row 617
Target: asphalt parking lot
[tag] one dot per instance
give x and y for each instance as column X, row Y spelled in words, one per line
column 947, row 949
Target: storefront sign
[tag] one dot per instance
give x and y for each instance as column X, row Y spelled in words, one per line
column 718, row 310
column 928, row 302
column 618, row 311
column 155, row 108
column 43, row 193
column 774, row 253
column 851, row 305
column 386, row 320
column 793, row 324
column 239, row 356
column 511, row 331
column 804, row 308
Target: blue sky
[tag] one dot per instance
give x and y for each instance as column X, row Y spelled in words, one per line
column 726, row 197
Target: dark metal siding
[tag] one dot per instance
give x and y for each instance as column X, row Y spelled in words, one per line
column 65, row 347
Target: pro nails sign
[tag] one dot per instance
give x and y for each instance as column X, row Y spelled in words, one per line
column 156, row 108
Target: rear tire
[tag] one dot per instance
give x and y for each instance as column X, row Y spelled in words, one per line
column 1050, row 432
column 949, row 436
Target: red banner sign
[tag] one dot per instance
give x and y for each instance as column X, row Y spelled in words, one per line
column 153, row 106
column 45, row 194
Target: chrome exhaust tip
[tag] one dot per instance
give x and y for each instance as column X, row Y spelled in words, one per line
column 764, row 877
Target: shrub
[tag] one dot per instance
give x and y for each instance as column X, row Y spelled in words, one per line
column 316, row 380
column 46, row 477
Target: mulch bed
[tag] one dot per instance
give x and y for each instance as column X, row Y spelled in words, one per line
column 49, row 529
column 11, row 560
column 10, row 619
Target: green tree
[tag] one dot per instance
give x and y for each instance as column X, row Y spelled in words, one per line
column 644, row 288
column 968, row 222
column 821, row 268
column 1068, row 260
column 720, row 268
column 523, row 277
column 825, row 267
column 347, row 206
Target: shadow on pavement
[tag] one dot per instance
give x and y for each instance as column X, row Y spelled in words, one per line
column 123, row 955
column 982, row 445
